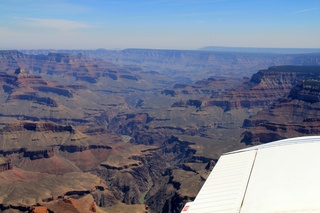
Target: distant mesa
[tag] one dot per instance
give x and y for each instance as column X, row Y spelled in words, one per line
column 205, row 88
column 38, row 126
column 261, row 50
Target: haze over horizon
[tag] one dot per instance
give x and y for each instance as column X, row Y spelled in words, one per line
column 159, row 24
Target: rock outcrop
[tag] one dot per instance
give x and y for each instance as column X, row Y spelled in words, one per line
column 295, row 115
column 30, row 97
column 116, row 141
column 265, row 87
column 47, row 143
column 5, row 164
column 47, row 162
column 128, row 124
column 25, row 191
column 260, row 91
column 23, row 86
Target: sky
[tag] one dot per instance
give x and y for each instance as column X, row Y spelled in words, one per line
column 158, row 24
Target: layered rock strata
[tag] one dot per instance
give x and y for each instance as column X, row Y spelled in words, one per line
column 295, row 115
column 261, row 91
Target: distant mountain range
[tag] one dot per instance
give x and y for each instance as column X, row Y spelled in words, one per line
column 261, row 50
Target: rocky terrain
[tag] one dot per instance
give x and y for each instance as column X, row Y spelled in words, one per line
column 205, row 88
column 186, row 66
column 79, row 133
column 260, row 91
column 198, row 141
column 36, row 166
column 297, row 114
column 27, row 96
column 264, row 87
column 81, row 69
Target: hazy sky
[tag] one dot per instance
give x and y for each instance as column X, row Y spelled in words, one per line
column 165, row 24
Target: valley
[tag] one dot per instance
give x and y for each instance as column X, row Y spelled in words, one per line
column 140, row 129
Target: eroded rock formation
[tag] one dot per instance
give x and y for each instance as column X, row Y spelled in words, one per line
column 115, row 141
column 295, row 115
column 5, row 164
column 264, row 87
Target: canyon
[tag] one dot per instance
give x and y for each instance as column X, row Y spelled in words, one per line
column 139, row 130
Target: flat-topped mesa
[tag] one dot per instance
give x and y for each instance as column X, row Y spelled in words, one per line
column 38, row 126
column 39, row 154
column 117, row 74
column 33, row 97
column 56, row 90
column 190, row 102
column 205, row 88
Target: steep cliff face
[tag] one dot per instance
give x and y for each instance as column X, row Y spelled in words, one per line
column 144, row 129
column 183, row 168
column 307, row 91
column 295, row 115
column 153, row 174
column 265, row 87
column 181, row 182
column 133, row 173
